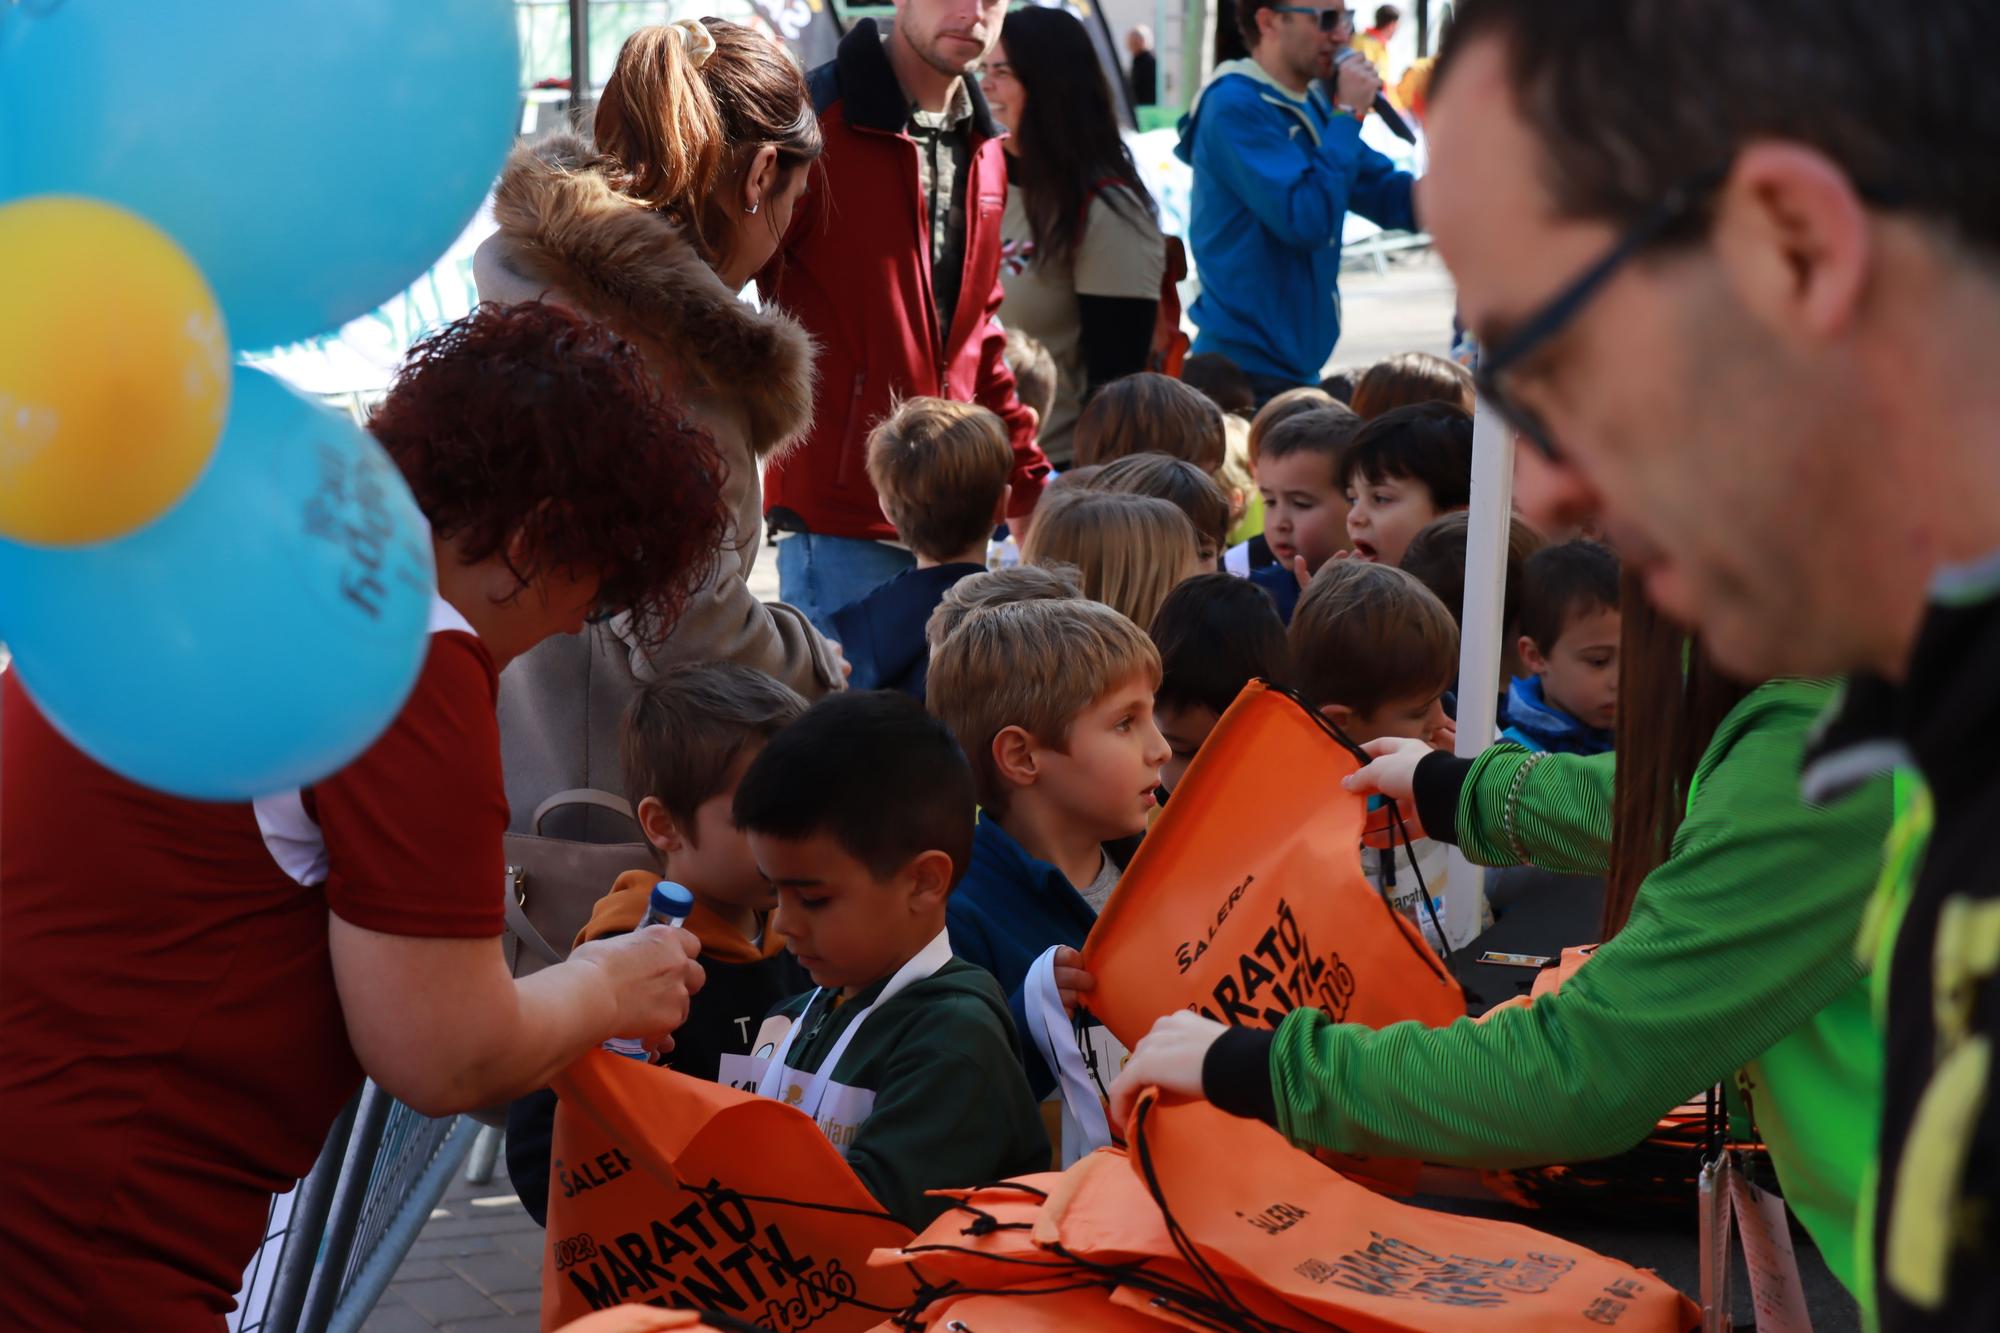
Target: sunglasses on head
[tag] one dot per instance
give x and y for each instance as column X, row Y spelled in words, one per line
column 1328, row 19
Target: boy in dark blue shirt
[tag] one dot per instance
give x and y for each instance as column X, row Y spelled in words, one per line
column 941, row 471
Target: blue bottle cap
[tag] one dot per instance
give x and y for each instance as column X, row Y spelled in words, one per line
column 671, row 901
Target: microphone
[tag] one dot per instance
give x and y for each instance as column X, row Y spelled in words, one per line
column 1384, row 108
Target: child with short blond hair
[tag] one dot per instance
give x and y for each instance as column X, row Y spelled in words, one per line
column 1131, row 549
column 1053, row 582
column 1052, row 702
column 1374, row 651
column 941, row 471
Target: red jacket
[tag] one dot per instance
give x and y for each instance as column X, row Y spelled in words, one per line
column 855, row 270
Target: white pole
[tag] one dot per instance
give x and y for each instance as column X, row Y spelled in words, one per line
column 1479, row 648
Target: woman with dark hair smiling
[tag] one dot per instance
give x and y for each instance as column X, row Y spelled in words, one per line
column 1081, row 253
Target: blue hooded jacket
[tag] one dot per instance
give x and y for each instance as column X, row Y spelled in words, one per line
column 1274, row 177
column 1534, row 723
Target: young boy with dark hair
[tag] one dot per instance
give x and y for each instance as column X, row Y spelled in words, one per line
column 1053, row 704
column 1568, row 703
column 941, row 471
column 1436, row 555
column 860, row 815
column 1216, row 633
column 1402, row 470
column 1305, row 502
column 687, row 739
column 1373, row 650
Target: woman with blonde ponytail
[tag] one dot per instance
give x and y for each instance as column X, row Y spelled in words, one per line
column 704, row 140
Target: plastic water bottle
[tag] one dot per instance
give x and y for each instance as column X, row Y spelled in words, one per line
column 668, row 905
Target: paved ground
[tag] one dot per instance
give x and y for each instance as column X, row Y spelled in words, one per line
column 477, row 1264
column 476, row 1267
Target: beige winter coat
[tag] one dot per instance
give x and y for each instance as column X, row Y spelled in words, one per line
column 744, row 375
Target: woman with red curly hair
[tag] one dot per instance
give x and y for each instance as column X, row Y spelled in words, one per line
column 195, row 989
column 704, row 140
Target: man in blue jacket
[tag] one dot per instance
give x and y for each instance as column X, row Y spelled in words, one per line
column 1277, row 165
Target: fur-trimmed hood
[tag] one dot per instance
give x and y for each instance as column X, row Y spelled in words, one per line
column 563, row 226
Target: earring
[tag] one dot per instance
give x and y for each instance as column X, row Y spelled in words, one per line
column 754, row 207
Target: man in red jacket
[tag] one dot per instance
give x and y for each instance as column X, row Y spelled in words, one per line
column 893, row 265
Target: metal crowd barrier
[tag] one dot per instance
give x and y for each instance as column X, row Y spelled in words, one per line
column 332, row 1244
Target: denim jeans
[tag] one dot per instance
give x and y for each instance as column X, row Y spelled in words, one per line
column 819, row 574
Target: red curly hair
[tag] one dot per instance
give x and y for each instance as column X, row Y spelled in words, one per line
column 526, row 420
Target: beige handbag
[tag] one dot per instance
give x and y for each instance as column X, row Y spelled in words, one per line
column 553, row 883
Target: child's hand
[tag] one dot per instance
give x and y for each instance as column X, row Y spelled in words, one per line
column 1168, row 1058
column 1071, row 979
column 1299, row 572
column 1445, row 737
column 1392, row 774
column 840, row 663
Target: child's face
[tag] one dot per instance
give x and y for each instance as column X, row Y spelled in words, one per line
column 1184, row 730
column 847, row 928
column 1383, row 516
column 713, row 856
column 1417, row 717
column 1580, row 674
column 1106, row 777
column 1305, row 513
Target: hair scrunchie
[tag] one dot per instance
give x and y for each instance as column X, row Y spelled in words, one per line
column 696, row 40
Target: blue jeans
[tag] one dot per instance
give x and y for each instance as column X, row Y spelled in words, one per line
column 819, row 574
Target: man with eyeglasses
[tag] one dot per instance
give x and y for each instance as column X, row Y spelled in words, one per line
column 1748, row 313
column 1275, row 143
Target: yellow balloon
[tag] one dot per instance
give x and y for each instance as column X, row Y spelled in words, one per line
column 114, row 371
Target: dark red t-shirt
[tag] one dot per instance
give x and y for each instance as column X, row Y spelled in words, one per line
column 172, row 1050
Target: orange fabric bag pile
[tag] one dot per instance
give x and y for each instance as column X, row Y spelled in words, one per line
column 1213, row 1222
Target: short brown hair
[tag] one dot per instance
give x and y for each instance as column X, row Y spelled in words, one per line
column 939, row 468
column 1410, row 378
column 1132, row 549
column 1053, row 582
column 1366, row 634
column 1178, row 482
column 1149, row 413
column 1286, row 405
column 686, row 730
column 1032, row 665
column 1436, row 555
column 1320, row 430
column 1034, row 372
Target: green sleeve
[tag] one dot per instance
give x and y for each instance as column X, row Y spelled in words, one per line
column 952, row 1109
column 1549, row 810
column 1739, row 938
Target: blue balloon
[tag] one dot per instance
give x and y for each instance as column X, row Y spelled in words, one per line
column 255, row 638
column 314, row 156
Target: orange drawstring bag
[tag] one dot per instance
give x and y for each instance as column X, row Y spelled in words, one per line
column 670, row 1190
column 1244, row 1207
column 1247, row 899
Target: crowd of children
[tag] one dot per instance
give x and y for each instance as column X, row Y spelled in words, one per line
column 1026, row 723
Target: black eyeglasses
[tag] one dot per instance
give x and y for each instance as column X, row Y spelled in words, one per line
column 1680, row 205
column 1329, row 19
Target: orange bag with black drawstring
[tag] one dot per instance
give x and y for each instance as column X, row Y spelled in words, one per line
column 670, row 1190
column 1247, row 899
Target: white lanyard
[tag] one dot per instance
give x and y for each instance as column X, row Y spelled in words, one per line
column 932, row 957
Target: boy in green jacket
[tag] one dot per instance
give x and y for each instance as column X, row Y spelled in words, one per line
column 1739, row 956
column 860, row 814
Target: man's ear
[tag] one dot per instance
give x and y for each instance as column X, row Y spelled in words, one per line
column 1014, row 757
column 661, row 830
column 1531, row 656
column 1000, row 510
column 1793, row 237
column 929, row 876
column 1338, row 714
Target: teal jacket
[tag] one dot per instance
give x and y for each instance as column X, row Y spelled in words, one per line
column 1739, row 956
column 952, row 1107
